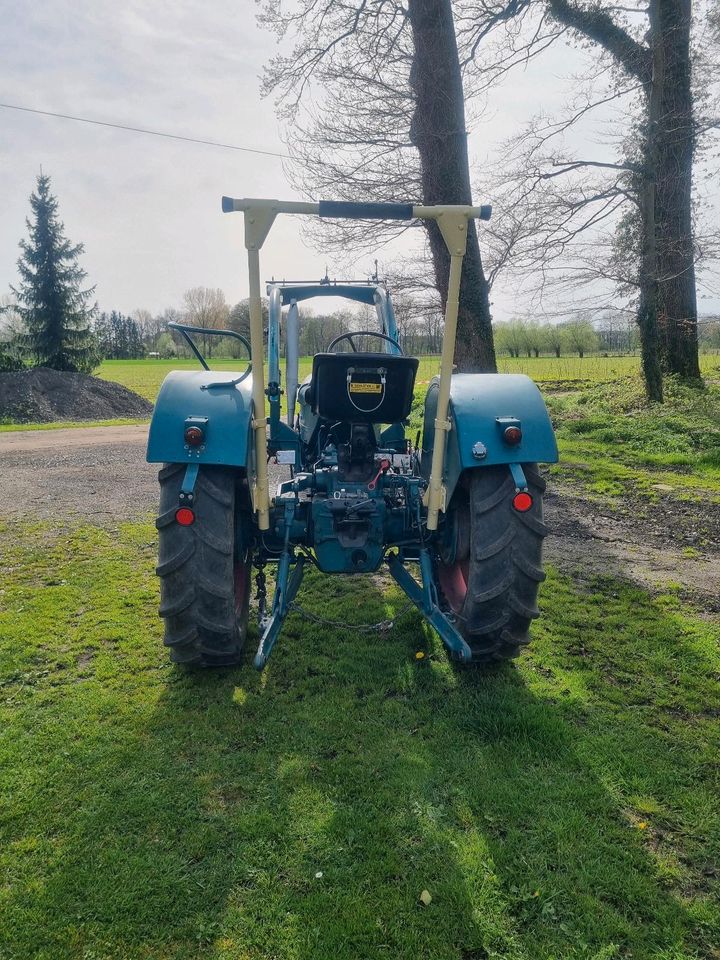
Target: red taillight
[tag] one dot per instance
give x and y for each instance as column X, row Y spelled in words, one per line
column 512, row 435
column 185, row 516
column 522, row 501
column 194, row 436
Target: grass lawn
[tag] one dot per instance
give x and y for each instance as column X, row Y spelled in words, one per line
column 566, row 808
column 563, row 808
column 613, row 443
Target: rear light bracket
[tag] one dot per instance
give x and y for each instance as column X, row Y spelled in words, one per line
column 510, row 430
column 195, row 445
column 519, row 478
column 187, row 488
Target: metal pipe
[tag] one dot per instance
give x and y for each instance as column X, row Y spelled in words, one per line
column 386, row 314
column 261, row 493
column 247, row 204
column 274, row 311
column 442, row 424
column 436, row 212
column 292, row 347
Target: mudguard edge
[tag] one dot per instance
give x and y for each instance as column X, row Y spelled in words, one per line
column 228, row 410
column 477, row 400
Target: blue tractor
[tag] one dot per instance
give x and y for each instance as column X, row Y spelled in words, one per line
column 457, row 519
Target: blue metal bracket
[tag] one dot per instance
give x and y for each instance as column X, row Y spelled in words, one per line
column 425, row 600
column 519, row 478
column 286, row 587
column 187, row 489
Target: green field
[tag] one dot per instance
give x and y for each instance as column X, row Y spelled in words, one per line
column 145, row 376
column 566, row 808
column 610, row 441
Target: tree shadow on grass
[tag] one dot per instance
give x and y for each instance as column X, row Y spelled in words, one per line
column 300, row 813
column 352, row 777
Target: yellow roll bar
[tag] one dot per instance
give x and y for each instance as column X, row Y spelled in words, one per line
column 259, row 218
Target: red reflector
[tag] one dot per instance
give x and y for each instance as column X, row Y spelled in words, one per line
column 185, row 516
column 512, row 435
column 194, row 436
column 522, row 502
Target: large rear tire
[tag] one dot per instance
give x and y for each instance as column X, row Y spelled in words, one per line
column 205, row 577
column 490, row 565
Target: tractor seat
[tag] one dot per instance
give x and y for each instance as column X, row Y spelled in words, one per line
column 362, row 387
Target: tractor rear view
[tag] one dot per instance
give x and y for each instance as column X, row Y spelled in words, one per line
column 462, row 511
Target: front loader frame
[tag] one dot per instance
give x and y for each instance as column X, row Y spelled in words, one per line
column 259, row 216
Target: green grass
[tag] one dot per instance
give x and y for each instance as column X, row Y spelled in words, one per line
column 613, row 442
column 71, row 424
column 567, row 808
column 146, row 376
column 567, row 373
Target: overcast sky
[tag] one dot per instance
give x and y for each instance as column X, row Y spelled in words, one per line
column 147, row 209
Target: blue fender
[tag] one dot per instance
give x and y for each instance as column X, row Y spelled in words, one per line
column 481, row 406
column 224, row 413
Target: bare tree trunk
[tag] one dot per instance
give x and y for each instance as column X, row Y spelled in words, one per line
column 647, row 315
column 667, row 314
column 438, row 132
column 675, row 144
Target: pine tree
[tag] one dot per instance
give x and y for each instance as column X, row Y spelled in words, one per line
column 56, row 310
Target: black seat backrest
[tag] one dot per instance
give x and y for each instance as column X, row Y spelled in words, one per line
column 362, row 387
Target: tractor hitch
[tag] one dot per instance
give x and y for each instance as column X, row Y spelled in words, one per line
column 286, row 589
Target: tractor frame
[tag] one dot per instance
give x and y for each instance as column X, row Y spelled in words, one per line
column 392, row 503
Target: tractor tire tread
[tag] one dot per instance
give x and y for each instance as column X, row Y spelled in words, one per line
column 489, row 502
column 493, row 548
column 537, row 526
column 177, row 560
column 182, row 639
column 529, row 568
column 223, row 497
column 525, row 610
column 175, row 605
column 505, row 564
column 221, row 544
column 490, row 593
column 195, row 566
column 165, row 519
column 169, row 470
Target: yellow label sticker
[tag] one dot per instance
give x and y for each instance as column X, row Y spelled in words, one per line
column 365, row 387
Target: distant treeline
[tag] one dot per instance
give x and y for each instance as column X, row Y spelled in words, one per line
column 122, row 337
column 584, row 334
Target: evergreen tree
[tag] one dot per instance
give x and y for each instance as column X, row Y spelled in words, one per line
column 103, row 336
column 119, row 337
column 51, row 300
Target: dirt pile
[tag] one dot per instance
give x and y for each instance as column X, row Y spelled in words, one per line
column 43, row 395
